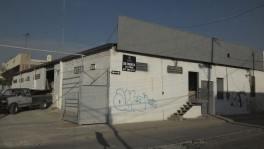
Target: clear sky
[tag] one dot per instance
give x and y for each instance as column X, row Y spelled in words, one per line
column 89, row 23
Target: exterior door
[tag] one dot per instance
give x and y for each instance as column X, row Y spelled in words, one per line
column 207, row 97
column 193, row 85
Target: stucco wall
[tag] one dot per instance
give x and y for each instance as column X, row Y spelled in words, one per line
column 155, row 94
column 148, row 96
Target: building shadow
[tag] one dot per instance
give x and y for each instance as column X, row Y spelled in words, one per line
column 101, row 140
column 3, row 114
column 254, row 119
column 121, row 140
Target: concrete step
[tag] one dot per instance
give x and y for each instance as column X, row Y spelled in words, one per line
column 175, row 118
column 179, row 114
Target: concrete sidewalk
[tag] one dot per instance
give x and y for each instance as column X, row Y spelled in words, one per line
column 44, row 129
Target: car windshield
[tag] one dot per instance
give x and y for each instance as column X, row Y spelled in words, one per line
column 10, row 92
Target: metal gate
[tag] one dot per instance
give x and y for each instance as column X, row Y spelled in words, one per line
column 207, row 96
column 93, row 104
column 85, row 97
column 71, row 94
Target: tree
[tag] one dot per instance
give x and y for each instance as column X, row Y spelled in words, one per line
column 6, row 80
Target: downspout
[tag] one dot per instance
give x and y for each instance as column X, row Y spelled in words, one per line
column 80, row 90
column 60, row 86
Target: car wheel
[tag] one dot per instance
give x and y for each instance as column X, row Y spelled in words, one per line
column 43, row 104
column 13, row 108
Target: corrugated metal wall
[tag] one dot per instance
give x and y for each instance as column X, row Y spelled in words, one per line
column 142, row 37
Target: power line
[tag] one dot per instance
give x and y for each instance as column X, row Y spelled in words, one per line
column 112, row 33
column 224, row 20
column 41, row 50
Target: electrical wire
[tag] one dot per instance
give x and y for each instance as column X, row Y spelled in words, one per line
column 112, row 33
column 41, row 50
column 223, row 20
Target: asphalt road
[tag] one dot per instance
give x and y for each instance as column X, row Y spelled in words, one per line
column 44, row 129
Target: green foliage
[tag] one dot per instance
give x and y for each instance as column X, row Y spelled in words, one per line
column 5, row 82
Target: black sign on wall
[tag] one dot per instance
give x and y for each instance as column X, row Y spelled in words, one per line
column 129, row 63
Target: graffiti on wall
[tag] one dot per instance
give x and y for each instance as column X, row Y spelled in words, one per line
column 129, row 101
column 239, row 99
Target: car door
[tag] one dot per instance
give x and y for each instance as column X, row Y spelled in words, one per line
column 24, row 98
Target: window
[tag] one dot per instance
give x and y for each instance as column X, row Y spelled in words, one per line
column 15, row 81
column 28, row 78
column 141, row 66
column 92, row 67
column 220, row 88
column 77, row 70
column 22, row 80
column 37, row 76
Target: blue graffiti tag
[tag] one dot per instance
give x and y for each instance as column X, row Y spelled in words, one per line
column 128, row 101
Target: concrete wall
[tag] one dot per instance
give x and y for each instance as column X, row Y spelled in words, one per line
column 148, row 96
column 155, row 94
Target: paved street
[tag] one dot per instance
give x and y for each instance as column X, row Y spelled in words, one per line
column 44, row 129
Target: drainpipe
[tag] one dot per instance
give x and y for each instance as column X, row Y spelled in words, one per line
column 80, row 89
column 59, row 102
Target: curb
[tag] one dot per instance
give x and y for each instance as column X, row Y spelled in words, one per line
column 228, row 120
column 192, row 143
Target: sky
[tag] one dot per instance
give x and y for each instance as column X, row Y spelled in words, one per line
column 83, row 24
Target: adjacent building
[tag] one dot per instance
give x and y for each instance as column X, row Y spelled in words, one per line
column 20, row 63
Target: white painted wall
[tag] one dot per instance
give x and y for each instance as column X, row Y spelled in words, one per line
column 258, row 102
column 16, row 85
column 161, row 93
column 57, row 91
column 27, row 84
column 137, row 96
column 32, row 83
column 40, row 84
column 236, row 83
column 194, row 112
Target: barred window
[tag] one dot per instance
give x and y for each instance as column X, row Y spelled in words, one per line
column 77, row 70
column 37, row 76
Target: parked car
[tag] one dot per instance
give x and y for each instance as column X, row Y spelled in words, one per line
column 17, row 98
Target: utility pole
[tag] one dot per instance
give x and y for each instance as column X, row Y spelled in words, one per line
column 27, row 35
column 253, row 59
column 62, row 22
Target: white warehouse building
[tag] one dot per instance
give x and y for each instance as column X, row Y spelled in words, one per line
column 152, row 73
